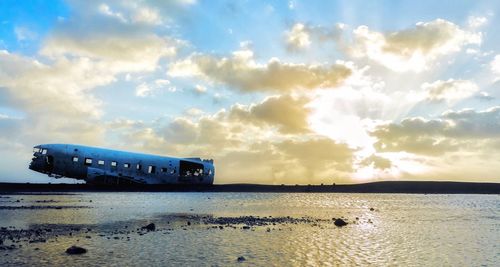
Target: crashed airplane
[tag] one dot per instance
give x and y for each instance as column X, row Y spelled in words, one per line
column 106, row 166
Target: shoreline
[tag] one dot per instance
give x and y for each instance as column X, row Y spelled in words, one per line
column 405, row 187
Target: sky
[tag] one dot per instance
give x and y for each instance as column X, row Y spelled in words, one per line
column 276, row 92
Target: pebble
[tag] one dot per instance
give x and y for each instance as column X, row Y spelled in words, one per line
column 73, row 250
column 339, row 222
column 150, row 227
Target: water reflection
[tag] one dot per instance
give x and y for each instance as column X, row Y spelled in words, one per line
column 400, row 230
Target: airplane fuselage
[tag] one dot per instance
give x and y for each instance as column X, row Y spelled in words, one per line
column 106, row 166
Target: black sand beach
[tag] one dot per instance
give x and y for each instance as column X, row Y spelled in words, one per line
column 408, row 187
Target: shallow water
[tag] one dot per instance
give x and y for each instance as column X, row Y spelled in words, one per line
column 409, row 230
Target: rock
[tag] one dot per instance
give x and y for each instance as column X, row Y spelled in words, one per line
column 73, row 250
column 246, row 227
column 241, row 258
column 188, row 223
column 372, row 209
column 339, row 222
column 150, row 227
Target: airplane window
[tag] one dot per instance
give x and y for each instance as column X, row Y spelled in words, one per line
column 113, row 163
column 88, row 161
column 139, row 167
column 100, row 162
column 163, row 169
column 36, row 150
column 75, row 159
column 44, row 151
column 151, row 169
column 126, row 165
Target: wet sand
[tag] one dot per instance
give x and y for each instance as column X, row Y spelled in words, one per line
column 221, row 229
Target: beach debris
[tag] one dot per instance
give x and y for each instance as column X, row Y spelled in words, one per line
column 241, row 259
column 74, row 250
column 339, row 222
column 149, row 227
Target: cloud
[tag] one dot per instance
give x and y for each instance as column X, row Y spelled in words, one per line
column 298, row 37
column 495, row 65
column 145, row 89
column 301, row 36
column 412, row 49
column 484, row 96
column 476, row 22
column 377, row 162
column 288, row 113
column 251, row 143
column 24, row 34
column 122, row 53
column 199, row 89
column 243, row 73
column 449, row 90
column 452, row 131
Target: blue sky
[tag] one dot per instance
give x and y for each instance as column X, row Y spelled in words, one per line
column 274, row 91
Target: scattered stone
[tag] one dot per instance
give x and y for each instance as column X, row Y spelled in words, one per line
column 188, row 223
column 372, row 209
column 40, row 240
column 241, row 259
column 74, row 250
column 149, row 227
column 339, row 222
column 245, row 227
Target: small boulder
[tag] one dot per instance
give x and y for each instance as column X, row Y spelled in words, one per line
column 372, row 209
column 76, row 250
column 339, row 222
column 150, row 227
column 241, row 259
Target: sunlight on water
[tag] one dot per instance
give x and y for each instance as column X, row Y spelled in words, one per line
column 383, row 229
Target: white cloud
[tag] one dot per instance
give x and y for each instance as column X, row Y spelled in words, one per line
column 122, row 53
column 301, row 36
column 450, row 90
column 495, row 65
column 476, row 22
column 147, row 15
column 24, row 34
column 106, row 10
column 145, row 89
column 200, row 89
column 243, row 73
column 412, row 49
column 298, row 36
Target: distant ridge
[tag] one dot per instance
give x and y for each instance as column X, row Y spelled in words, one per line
column 408, row 187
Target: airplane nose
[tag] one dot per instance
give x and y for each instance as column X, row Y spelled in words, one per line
column 36, row 164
